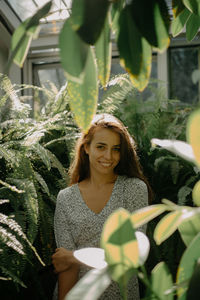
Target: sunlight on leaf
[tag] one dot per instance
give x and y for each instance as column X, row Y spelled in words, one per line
column 179, row 148
column 166, row 226
column 146, row 214
column 189, row 228
column 124, row 254
column 179, row 22
column 193, row 134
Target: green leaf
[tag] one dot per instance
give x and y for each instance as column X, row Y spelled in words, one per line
column 83, row 97
column 103, row 49
column 167, row 225
column 146, row 214
column 123, row 234
column 135, row 52
column 193, row 6
column 116, row 9
column 156, row 26
column 24, row 34
column 22, row 37
column 189, row 229
column 161, row 281
column 193, row 134
column 177, row 7
column 93, row 283
column 192, row 26
column 196, row 193
column 77, row 52
column 187, row 265
column 179, row 22
column 194, row 286
column 88, row 18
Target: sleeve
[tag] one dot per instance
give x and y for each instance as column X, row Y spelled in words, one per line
column 62, row 230
column 136, row 196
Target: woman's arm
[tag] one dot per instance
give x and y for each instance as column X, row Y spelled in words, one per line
column 66, row 280
column 63, row 259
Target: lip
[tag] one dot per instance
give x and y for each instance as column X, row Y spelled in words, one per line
column 105, row 164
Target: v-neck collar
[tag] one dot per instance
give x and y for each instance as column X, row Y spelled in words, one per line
column 108, row 203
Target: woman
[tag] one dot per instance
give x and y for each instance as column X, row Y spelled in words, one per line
column 105, row 175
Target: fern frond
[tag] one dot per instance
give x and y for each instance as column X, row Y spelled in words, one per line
column 42, row 182
column 42, row 153
column 12, row 276
column 10, row 240
column 11, row 187
column 57, row 164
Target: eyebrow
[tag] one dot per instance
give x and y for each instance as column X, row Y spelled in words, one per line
column 104, row 144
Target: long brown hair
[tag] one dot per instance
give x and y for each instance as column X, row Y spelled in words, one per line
column 129, row 163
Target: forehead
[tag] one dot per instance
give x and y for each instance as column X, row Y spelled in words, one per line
column 107, row 136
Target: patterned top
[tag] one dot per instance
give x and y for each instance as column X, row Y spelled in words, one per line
column 77, row 226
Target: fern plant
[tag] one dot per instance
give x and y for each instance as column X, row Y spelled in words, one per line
column 34, row 156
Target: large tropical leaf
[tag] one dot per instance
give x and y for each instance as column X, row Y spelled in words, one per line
column 77, row 52
column 155, row 28
column 121, row 247
column 193, row 6
column 83, row 96
column 103, row 48
column 135, row 51
column 192, row 26
column 24, row 34
column 88, row 18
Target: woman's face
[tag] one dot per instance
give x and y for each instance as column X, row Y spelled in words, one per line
column 104, row 151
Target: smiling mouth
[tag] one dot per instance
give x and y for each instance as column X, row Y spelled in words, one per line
column 106, row 165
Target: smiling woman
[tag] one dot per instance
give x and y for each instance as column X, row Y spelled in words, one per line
column 105, row 175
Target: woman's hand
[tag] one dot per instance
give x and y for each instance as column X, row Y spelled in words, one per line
column 63, row 259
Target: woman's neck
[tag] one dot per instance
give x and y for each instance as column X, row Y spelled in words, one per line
column 98, row 180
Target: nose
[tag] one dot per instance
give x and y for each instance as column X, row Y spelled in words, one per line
column 108, row 154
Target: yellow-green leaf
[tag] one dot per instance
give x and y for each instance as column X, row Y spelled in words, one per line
column 167, row 226
column 161, row 281
column 83, row 96
column 135, row 51
column 189, row 228
column 187, row 266
column 178, row 23
column 124, row 255
column 146, row 214
column 193, row 134
column 103, row 49
column 196, row 194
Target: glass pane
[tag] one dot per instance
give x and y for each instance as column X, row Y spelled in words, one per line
column 182, row 62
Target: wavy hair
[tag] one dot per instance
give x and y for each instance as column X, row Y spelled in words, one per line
column 129, row 163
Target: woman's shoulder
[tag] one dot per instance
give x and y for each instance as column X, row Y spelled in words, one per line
column 133, row 182
column 66, row 192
